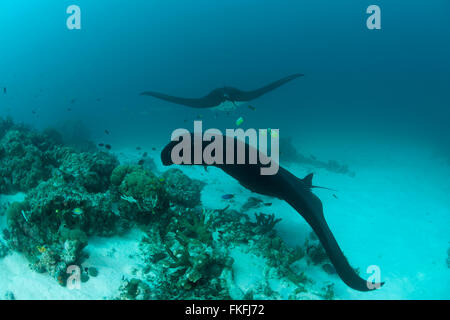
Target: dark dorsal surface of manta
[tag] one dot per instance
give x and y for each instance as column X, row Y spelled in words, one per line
column 295, row 191
column 220, row 95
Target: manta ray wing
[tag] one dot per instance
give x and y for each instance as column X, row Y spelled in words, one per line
column 217, row 96
column 205, row 102
column 250, row 95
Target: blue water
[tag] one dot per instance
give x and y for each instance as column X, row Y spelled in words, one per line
column 361, row 87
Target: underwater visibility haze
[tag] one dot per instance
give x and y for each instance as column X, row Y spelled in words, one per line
column 93, row 206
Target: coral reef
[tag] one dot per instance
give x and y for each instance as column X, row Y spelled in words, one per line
column 134, row 289
column 141, row 194
column 90, row 170
column 188, row 251
column 3, row 250
column 68, row 197
column 265, row 222
column 191, row 256
column 52, row 225
column 25, row 160
column 72, row 195
column 182, row 190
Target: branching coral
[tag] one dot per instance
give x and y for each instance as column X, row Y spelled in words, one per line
column 195, row 226
column 265, row 222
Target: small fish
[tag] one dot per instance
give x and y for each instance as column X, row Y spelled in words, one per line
column 138, row 148
column 162, row 180
column 73, row 100
column 154, row 149
column 41, row 249
column 199, row 116
column 145, row 154
column 4, row 90
column 141, row 162
column 107, row 146
column 335, row 196
column 77, row 211
column 69, row 109
column 268, row 204
column 228, row 196
column 252, row 108
column 239, row 121
column 106, row 131
column 98, row 99
column 101, row 144
column 272, row 133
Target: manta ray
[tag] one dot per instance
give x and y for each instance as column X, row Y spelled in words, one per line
column 297, row 193
column 226, row 98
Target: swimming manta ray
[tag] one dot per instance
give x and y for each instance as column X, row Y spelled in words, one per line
column 297, row 193
column 226, row 98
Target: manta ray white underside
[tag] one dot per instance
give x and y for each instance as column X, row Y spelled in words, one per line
column 227, row 106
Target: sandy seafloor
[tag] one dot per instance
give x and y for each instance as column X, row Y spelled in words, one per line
column 395, row 213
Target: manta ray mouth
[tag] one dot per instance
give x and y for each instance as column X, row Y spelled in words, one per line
column 227, row 106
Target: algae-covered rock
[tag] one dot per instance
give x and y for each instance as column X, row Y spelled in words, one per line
column 22, row 163
column 181, row 189
column 3, row 250
column 51, row 227
column 136, row 182
column 134, row 289
column 54, row 203
column 15, row 213
column 93, row 272
column 90, row 170
column 141, row 192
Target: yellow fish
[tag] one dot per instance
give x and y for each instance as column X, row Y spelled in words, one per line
column 42, row 249
column 77, row 211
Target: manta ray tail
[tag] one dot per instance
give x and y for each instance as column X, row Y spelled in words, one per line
column 318, row 223
column 343, row 268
